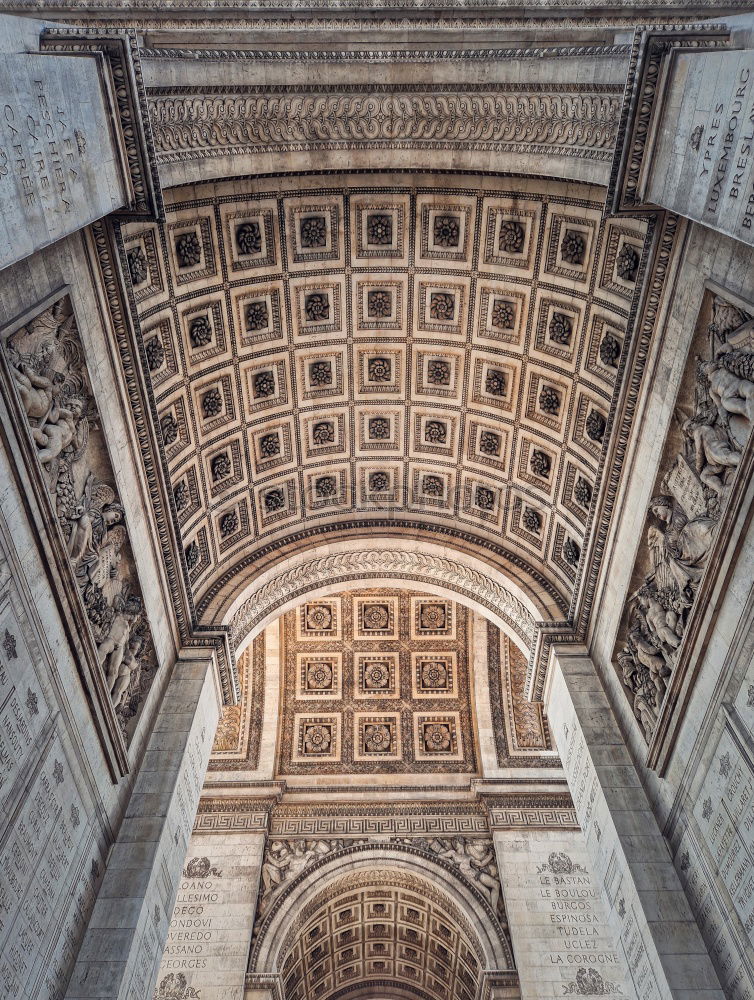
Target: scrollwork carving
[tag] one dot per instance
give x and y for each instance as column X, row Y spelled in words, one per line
column 210, row 125
column 381, row 562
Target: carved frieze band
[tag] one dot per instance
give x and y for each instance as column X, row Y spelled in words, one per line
column 378, row 55
column 514, row 818
column 196, row 126
column 525, row 811
column 233, row 815
column 387, row 821
column 366, row 563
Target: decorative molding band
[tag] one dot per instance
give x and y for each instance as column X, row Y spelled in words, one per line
column 437, row 819
column 231, row 823
column 197, row 126
column 511, row 564
column 514, row 812
column 369, row 6
column 395, row 55
column 121, row 57
column 271, row 982
column 376, row 563
column 233, row 815
column 514, row 819
column 105, row 246
column 649, row 51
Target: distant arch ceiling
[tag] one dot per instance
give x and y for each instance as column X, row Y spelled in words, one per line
column 398, row 875
column 427, row 358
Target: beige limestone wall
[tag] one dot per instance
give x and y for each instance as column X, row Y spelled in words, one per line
column 60, row 806
column 120, row 954
column 645, row 903
column 209, row 934
column 60, row 166
column 561, row 938
column 711, row 844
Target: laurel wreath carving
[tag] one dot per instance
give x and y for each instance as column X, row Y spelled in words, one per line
column 379, row 562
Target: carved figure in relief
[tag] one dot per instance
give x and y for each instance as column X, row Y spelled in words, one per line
column 59, row 431
column 474, row 859
column 637, row 679
column 482, row 861
column 285, row 860
column 683, row 519
column 51, row 379
column 112, row 649
column 38, row 393
column 679, row 548
column 651, row 657
column 277, row 861
column 663, row 624
column 129, row 671
column 714, row 455
column 92, row 524
column 731, row 386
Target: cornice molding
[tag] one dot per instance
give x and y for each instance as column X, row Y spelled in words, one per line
column 120, row 52
column 561, row 122
column 394, row 55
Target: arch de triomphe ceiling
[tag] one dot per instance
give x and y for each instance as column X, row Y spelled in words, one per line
column 385, row 303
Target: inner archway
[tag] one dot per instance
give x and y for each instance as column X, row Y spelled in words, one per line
column 401, row 918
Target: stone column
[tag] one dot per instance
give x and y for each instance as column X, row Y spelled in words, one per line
column 210, row 929
column 121, row 950
column 561, row 939
column 629, row 858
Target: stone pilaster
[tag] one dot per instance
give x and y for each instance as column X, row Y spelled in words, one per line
column 628, row 856
column 559, row 932
column 210, row 930
column 120, row 954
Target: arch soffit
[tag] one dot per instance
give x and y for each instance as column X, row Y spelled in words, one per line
column 328, row 569
column 324, row 878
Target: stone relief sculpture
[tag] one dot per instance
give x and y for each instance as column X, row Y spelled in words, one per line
column 701, row 464
column 474, row 858
column 589, row 983
column 47, row 366
column 175, row 986
column 285, row 860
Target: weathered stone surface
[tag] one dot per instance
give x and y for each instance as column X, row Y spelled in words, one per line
column 59, row 165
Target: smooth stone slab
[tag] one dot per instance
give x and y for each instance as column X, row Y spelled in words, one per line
column 59, row 165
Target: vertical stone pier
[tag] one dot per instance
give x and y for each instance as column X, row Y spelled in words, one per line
column 121, row 951
column 647, row 909
column 561, row 939
column 211, row 924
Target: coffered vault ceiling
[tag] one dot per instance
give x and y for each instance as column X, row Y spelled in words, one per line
column 405, row 933
column 417, row 354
